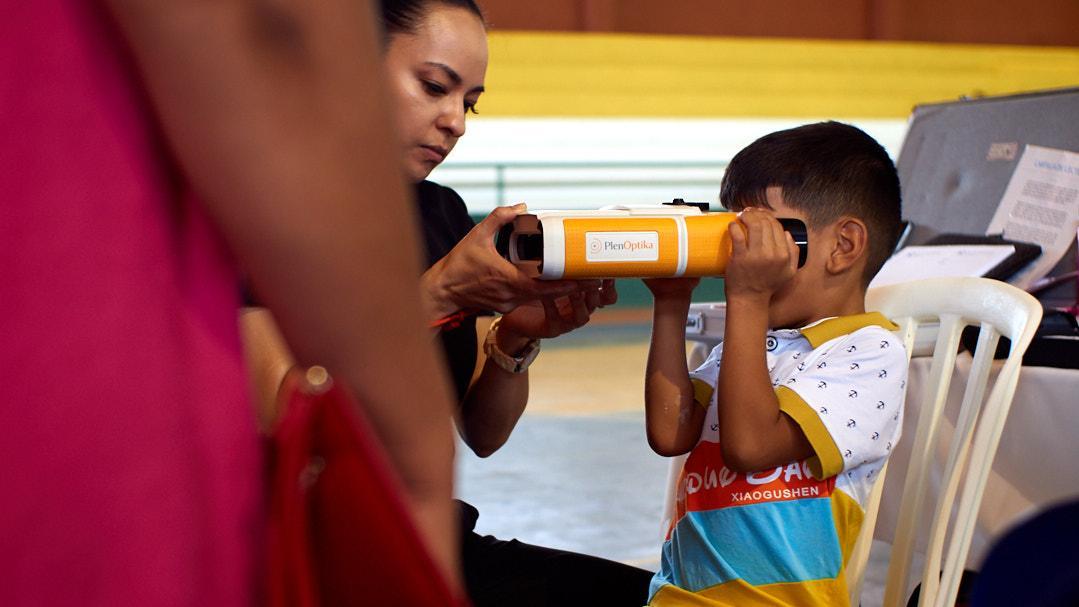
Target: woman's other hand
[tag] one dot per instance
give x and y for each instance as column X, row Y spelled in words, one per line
column 550, row 317
column 474, row 276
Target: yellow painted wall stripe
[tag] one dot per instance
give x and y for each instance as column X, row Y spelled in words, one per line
column 575, row 74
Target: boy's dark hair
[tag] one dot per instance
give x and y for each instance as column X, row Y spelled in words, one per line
column 404, row 16
column 826, row 170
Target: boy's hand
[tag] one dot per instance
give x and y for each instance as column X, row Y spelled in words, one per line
column 763, row 255
column 671, row 288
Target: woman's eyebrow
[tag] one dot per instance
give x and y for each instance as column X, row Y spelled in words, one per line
column 451, row 74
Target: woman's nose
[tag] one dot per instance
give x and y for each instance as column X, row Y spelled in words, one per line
column 452, row 118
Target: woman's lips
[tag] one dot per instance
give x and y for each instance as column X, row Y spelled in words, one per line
column 434, row 153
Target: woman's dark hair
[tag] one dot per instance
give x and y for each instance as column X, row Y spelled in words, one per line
column 826, row 170
column 404, row 16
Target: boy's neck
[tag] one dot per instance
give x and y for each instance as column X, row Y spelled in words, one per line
column 853, row 304
column 828, row 305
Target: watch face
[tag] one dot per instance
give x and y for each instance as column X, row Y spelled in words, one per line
column 529, row 355
column 513, row 364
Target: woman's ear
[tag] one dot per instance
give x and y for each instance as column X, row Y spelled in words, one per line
column 850, row 246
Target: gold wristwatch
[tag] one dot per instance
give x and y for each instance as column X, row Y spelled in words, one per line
column 513, row 364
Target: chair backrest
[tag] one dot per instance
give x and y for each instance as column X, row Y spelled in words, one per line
column 950, row 304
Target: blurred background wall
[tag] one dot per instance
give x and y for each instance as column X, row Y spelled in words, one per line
column 596, row 102
column 1031, row 22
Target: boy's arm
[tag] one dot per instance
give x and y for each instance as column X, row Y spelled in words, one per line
column 672, row 418
column 754, row 433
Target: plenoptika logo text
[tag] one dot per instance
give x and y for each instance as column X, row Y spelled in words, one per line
column 621, row 246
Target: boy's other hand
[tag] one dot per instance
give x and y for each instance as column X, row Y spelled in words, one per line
column 763, row 255
column 671, row 288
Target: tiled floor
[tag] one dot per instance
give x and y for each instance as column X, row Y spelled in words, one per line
column 577, row 473
column 587, row 484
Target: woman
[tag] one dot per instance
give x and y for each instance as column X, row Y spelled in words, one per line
column 435, row 59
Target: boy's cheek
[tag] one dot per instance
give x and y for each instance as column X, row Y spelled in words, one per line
column 784, row 303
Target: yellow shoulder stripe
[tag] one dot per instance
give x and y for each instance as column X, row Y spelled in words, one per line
column 702, row 393
column 832, row 328
column 828, row 461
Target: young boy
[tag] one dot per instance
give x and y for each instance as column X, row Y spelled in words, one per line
column 793, row 415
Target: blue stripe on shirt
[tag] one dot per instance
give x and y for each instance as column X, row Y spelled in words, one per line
column 768, row 543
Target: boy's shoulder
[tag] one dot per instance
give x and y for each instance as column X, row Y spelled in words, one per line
column 868, row 335
column 853, row 333
column 871, row 349
column 856, row 330
column 842, row 351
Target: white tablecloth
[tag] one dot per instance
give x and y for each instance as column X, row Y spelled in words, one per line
column 1037, row 462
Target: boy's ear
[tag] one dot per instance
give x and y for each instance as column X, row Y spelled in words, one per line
column 850, row 245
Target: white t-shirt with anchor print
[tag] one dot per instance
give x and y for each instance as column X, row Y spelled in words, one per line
column 787, row 532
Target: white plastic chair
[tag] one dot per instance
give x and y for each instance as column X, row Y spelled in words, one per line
column 951, row 304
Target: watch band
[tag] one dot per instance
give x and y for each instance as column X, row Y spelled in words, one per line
column 512, row 364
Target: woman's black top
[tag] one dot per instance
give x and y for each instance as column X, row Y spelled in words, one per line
column 445, row 222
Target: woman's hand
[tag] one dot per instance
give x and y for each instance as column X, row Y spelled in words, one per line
column 763, row 256
column 474, row 276
column 552, row 316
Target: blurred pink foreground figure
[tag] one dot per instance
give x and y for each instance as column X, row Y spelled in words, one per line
column 132, row 468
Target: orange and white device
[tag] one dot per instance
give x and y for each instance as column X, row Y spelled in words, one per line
column 668, row 240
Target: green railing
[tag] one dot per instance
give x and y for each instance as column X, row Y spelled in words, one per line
column 563, row 176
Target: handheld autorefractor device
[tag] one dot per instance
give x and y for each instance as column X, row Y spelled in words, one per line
column 669, row 240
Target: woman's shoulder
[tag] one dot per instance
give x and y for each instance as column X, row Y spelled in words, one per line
column 442, row 210
column 429, row 192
